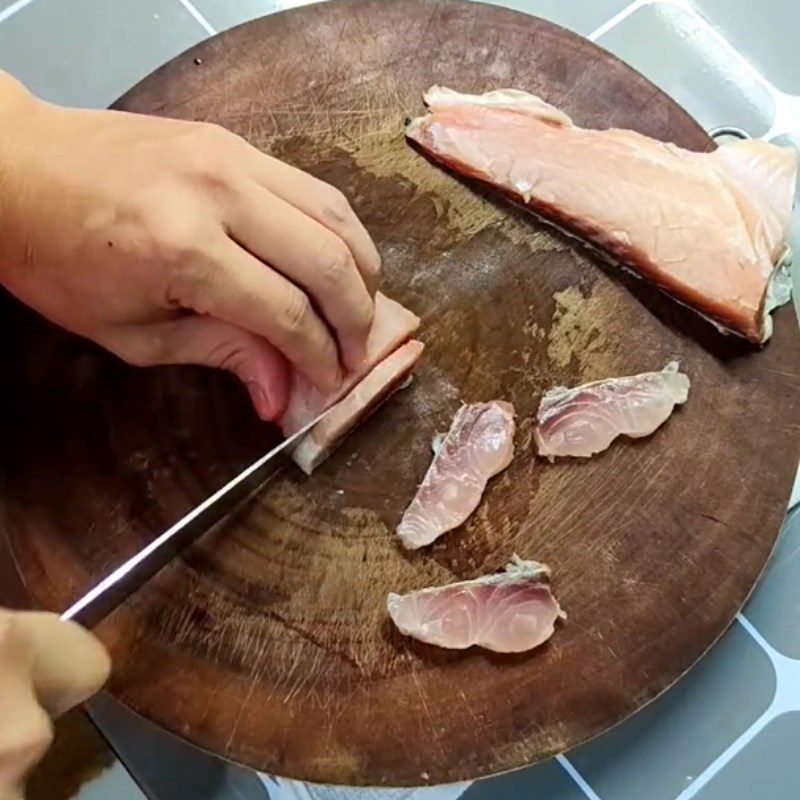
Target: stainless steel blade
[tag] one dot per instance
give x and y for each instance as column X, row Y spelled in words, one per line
column 101, row 600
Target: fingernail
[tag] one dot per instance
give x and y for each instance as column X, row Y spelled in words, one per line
column 260, row 401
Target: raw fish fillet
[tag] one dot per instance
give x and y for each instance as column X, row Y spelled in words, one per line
column 376, row 387
column 708, row 228
column 479, row 444
column 393, row 325
column 585, row 420
column 509, row 612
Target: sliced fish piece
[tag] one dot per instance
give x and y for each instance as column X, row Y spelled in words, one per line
column 707, row 228
column 393, row 325
column 508, row 612
column 585, row 420
column 479, row 445
column 386, row 378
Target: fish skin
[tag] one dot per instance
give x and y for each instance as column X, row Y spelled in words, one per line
column 393, row 325
column 508, row 612
column 585, row 420
column 481, row 433
column 707, row 228
column 375, row 388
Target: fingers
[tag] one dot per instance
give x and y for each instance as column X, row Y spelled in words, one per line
column 324, row 204
column 211, row 342
column 69, row 663
column 312, row 257
column 25, row 734
column 25, row 731
column 234, row 286
column 47, row 666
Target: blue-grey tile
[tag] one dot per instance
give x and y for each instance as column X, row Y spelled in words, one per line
column 765, row 33
column 774, row 608
column 766, row 768
column 582, row 17
column 222, row 14
column 546, row 781
column 678, row 53
column 88, row 52
column 658, row 752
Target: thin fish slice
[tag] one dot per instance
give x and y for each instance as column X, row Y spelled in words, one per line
column 389, row 376
column 585, row 420
column 393, row 325
column 479, row 445
column 509, row 612
column 708, row 228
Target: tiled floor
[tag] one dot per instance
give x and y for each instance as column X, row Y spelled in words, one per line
column 85, row 52
column 730, row 729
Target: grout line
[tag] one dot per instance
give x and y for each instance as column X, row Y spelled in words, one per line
column 13, row 8
column 728, row 754
column 616, row 19
column 570, row 769
column 9, row 12
column 203, row 22
column 787, row 671
column 775, row 709
column 756, row 636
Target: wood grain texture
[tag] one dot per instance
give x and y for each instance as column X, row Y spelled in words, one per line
column 267, row 642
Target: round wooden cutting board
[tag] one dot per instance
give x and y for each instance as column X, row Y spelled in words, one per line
column 268, row 641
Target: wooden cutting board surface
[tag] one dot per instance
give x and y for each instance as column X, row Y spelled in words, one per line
column 268, row 642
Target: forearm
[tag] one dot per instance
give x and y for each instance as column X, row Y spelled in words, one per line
column 18, row 108
column 16, row 103
column 11, row 88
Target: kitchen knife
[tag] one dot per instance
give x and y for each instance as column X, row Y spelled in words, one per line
column 100, row 601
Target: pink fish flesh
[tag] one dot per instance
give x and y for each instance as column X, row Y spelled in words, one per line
column 387, row 377
column 509, row 612
column 585, row 420
column 708, row 228
column 479, row 445
column 393, row 324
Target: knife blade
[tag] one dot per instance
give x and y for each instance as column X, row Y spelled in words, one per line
column 103, row 598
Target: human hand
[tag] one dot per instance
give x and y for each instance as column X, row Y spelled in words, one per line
column 173, row 242
column 47, row 666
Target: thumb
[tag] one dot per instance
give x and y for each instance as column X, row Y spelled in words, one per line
column 69, row 665
column 210, row 342
column 46, row 667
